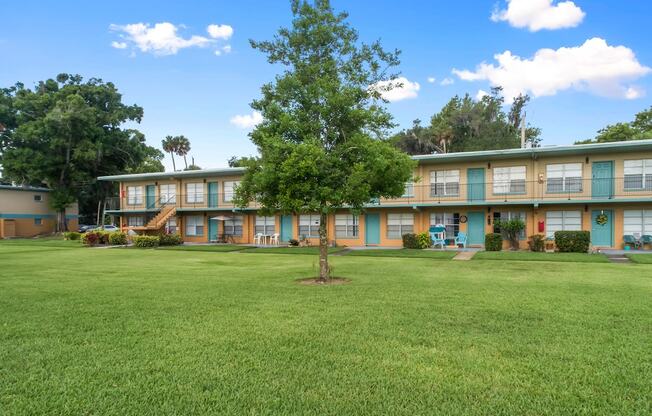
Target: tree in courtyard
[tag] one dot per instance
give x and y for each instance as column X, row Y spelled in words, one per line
column 65, row 133
column 319, row 142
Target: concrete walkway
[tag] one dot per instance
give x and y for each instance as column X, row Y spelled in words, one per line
column 465, row 255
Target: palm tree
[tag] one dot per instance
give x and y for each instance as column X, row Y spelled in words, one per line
column 183, row 148
column 170, row 146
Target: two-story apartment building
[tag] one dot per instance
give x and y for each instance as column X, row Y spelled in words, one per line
column 603, row 188
column 25, row 212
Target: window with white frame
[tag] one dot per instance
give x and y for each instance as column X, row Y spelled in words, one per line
column 509, row 180
column 564, row 177
column 637, row 222
column 508, row 216
column 38, row 198
column 562, row 221
column 134, row 195
column 265, row 225
column 233, row 226
column 309, row 225
column 168, row 193
column 171, row 225
column 195, row 193
column 229, row 190
column 449, row 220
column 638, row 175
column 445, row 183
column 346, row 226
column 408, row 191
column 399, row 224
column 135, row 221
column 194, row 225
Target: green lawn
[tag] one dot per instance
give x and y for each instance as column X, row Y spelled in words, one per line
column 290, row 250
column 641, row 258
column 204, row 247
column 534, row 256
column 132, row 332
column 405, row 252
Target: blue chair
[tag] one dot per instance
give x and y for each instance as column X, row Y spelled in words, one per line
column 460, row 239
column 646, row 239
column 632, row 241
column 438, row 236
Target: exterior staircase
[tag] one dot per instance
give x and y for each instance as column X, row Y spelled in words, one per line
column 159, row 220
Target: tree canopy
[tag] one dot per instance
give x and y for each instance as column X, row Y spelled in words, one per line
column 465, row 124
column 323, row 118
column 638, row 129
column 65, row 132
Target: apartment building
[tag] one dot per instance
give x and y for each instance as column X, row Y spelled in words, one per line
column 602, row 188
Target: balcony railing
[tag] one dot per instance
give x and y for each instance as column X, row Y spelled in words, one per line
column 515, row 191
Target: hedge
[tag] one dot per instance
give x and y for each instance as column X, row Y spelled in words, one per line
column 493, row 242
column 118, row 238
column 146, row 241
column 71, row 235
column 573, row 241
column 90, row 238
column 170, row 240
column 537, row 242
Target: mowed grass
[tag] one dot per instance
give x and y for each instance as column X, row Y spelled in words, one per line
column 536, row 256
column 150, row 332
column 290, row 250
column 219, row 248
column 641, row 258
column 405, row 252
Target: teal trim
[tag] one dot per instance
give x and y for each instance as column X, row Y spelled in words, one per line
column 25, row 188
column 23, row 216
column 202, row 173
column 72, row 216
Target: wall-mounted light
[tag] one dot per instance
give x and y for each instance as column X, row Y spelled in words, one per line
column 586, row 208
column 488, row 219
column 488, row 165
column 488, row 209
column 587, row 160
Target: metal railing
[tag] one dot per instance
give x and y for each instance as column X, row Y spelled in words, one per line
column 556, row 189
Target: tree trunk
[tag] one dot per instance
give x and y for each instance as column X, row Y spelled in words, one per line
column 174, row 166
column 61, row 221
column 185, row 162
column 324, row 270
column 99, row 213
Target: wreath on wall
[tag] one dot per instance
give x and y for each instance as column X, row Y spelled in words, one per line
column 601, row 219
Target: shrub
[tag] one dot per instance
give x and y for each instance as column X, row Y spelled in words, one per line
column 493, row 242
column 573, row 241
column 118, row 238
column 90, row 238
column 511, row 229
column 423, row 240
column 103, row 237
column 410, row 240
column 293, row 242
column 537, row 242
column 71, row 235
column 170, row 240
column 146, row 241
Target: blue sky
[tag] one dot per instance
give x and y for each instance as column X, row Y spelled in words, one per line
column 186, row 88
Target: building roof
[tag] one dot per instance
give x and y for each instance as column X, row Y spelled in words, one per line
column 577, row 149
column 24, row 188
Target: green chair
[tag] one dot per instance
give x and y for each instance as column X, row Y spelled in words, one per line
column 632, row 241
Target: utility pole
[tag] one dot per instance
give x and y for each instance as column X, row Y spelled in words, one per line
column 523, row 130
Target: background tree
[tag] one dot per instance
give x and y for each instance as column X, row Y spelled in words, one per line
column 169, row 145
column 182, row 148
column 318, row 142
column 465, row 124
column 64, row 134
column 639, row 129
column 240, row 162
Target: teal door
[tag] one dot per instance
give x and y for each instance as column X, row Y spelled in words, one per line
column 602, row 235
column 475, row 228
column 212, row 229
column 602, row 182
column 212, row 194
column 476, row 184
column 150, row 196
column 372, row 229
column 286, row 227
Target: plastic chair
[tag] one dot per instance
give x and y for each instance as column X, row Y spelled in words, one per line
column 646, row 239
column 632, row 241
column 275, row 239
column 438, row 235
column 460, row 239
column 258, row 239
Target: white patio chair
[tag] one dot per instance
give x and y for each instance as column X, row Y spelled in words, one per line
column 258, row 238
column 275, row 238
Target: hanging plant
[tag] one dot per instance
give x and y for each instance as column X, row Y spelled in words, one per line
column 601, row 219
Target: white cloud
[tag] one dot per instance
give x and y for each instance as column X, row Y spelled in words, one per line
column 396, row 90
column 432, row 80
column 480, row 94
column 220, row 31
column 119, row 45
column 160, row 39
column 593, row 66
column 447, row 81
column 540, row 14
column 247, row 121
column 223, row 49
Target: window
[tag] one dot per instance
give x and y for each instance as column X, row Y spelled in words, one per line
column 229, row 190
column 309, row 226
column 38, row 198
column 195, row 193
column 509, row 180
column 445, row 183
column 564, row 177
column 562, row 221
column 168, row 193
column 38, row 221
column 195, row 225
column 409, row 190
column 638, row 175
column 134, row 195
column 399, row 224
column 135, row 221
column 507, row 216
column 637, row 222
column 450, row 220
column 233, row 226
column 265, row 225
column 171, row 225
column 346, row 226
